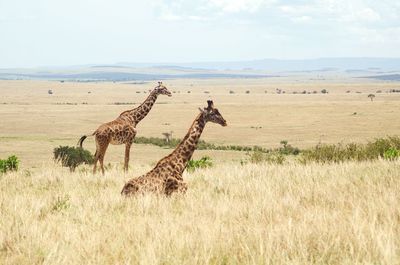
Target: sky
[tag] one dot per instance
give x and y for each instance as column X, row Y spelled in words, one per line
column 76, row 32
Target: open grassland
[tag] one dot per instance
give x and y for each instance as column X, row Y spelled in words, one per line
column 32, row 122
column 232, row 214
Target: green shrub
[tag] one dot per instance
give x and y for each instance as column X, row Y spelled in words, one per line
column 203, row 162
column 275, row 158
column 257, row 157
column 287, row 149
column 72, row 157
column 335, row 153
column 9, row 164
column 391, row 154
column 201, row 145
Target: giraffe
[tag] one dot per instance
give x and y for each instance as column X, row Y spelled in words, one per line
column 166, row 176
column 122, row 130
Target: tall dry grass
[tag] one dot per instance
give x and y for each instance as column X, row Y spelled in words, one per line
column 252, row 214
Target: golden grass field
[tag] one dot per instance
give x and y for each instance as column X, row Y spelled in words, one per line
column 232, row 214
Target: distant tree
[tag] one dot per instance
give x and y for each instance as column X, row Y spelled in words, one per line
column 371, row 97
column 247, row 91
column 168, row 136
column 284, row 143
column 50, row 92
column 324, row 91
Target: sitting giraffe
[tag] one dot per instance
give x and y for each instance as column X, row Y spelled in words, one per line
column 166, row 176
column 122, row 130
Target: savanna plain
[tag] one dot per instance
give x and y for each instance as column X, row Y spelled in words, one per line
column 235, row 212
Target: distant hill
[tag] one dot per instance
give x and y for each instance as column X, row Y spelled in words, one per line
column 275, row 65
column 394, row 77
column 375, row 68
column 124, row 76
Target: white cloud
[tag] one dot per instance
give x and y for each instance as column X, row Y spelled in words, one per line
column 234, row 6
column 381, row 36
column 199, row 18
column 301, row 19
column 168, row 16
column 367, row 14
column 348, row 11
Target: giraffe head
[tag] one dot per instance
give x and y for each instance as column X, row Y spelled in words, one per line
column 162, row 90
column 212, row 114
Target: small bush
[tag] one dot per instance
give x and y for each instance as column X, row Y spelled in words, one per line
column 72, row 157
column 203, row 162
column 9, row 164
column 287, row 149
column 257, row 157
column 391, row 154
column 275, row 158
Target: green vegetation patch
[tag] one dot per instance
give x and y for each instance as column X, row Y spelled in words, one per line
column 9, row 164
column 72, row 157
column 285, row 149
column 386, row 148
column 203, row 162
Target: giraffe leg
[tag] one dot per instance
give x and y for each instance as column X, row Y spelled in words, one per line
column 130, row 131
column 96, row 158
column 174, row 185
column 101, row 157
column 127, row 152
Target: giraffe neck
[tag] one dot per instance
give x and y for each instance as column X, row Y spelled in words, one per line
column 138, row 114
column 185, row 149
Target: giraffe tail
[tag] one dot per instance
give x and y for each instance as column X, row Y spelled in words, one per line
column 80, row 142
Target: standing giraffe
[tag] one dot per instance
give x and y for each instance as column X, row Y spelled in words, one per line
column 122, row 130
column 166, row 176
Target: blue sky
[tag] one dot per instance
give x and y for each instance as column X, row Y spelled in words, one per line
column 61, row 32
